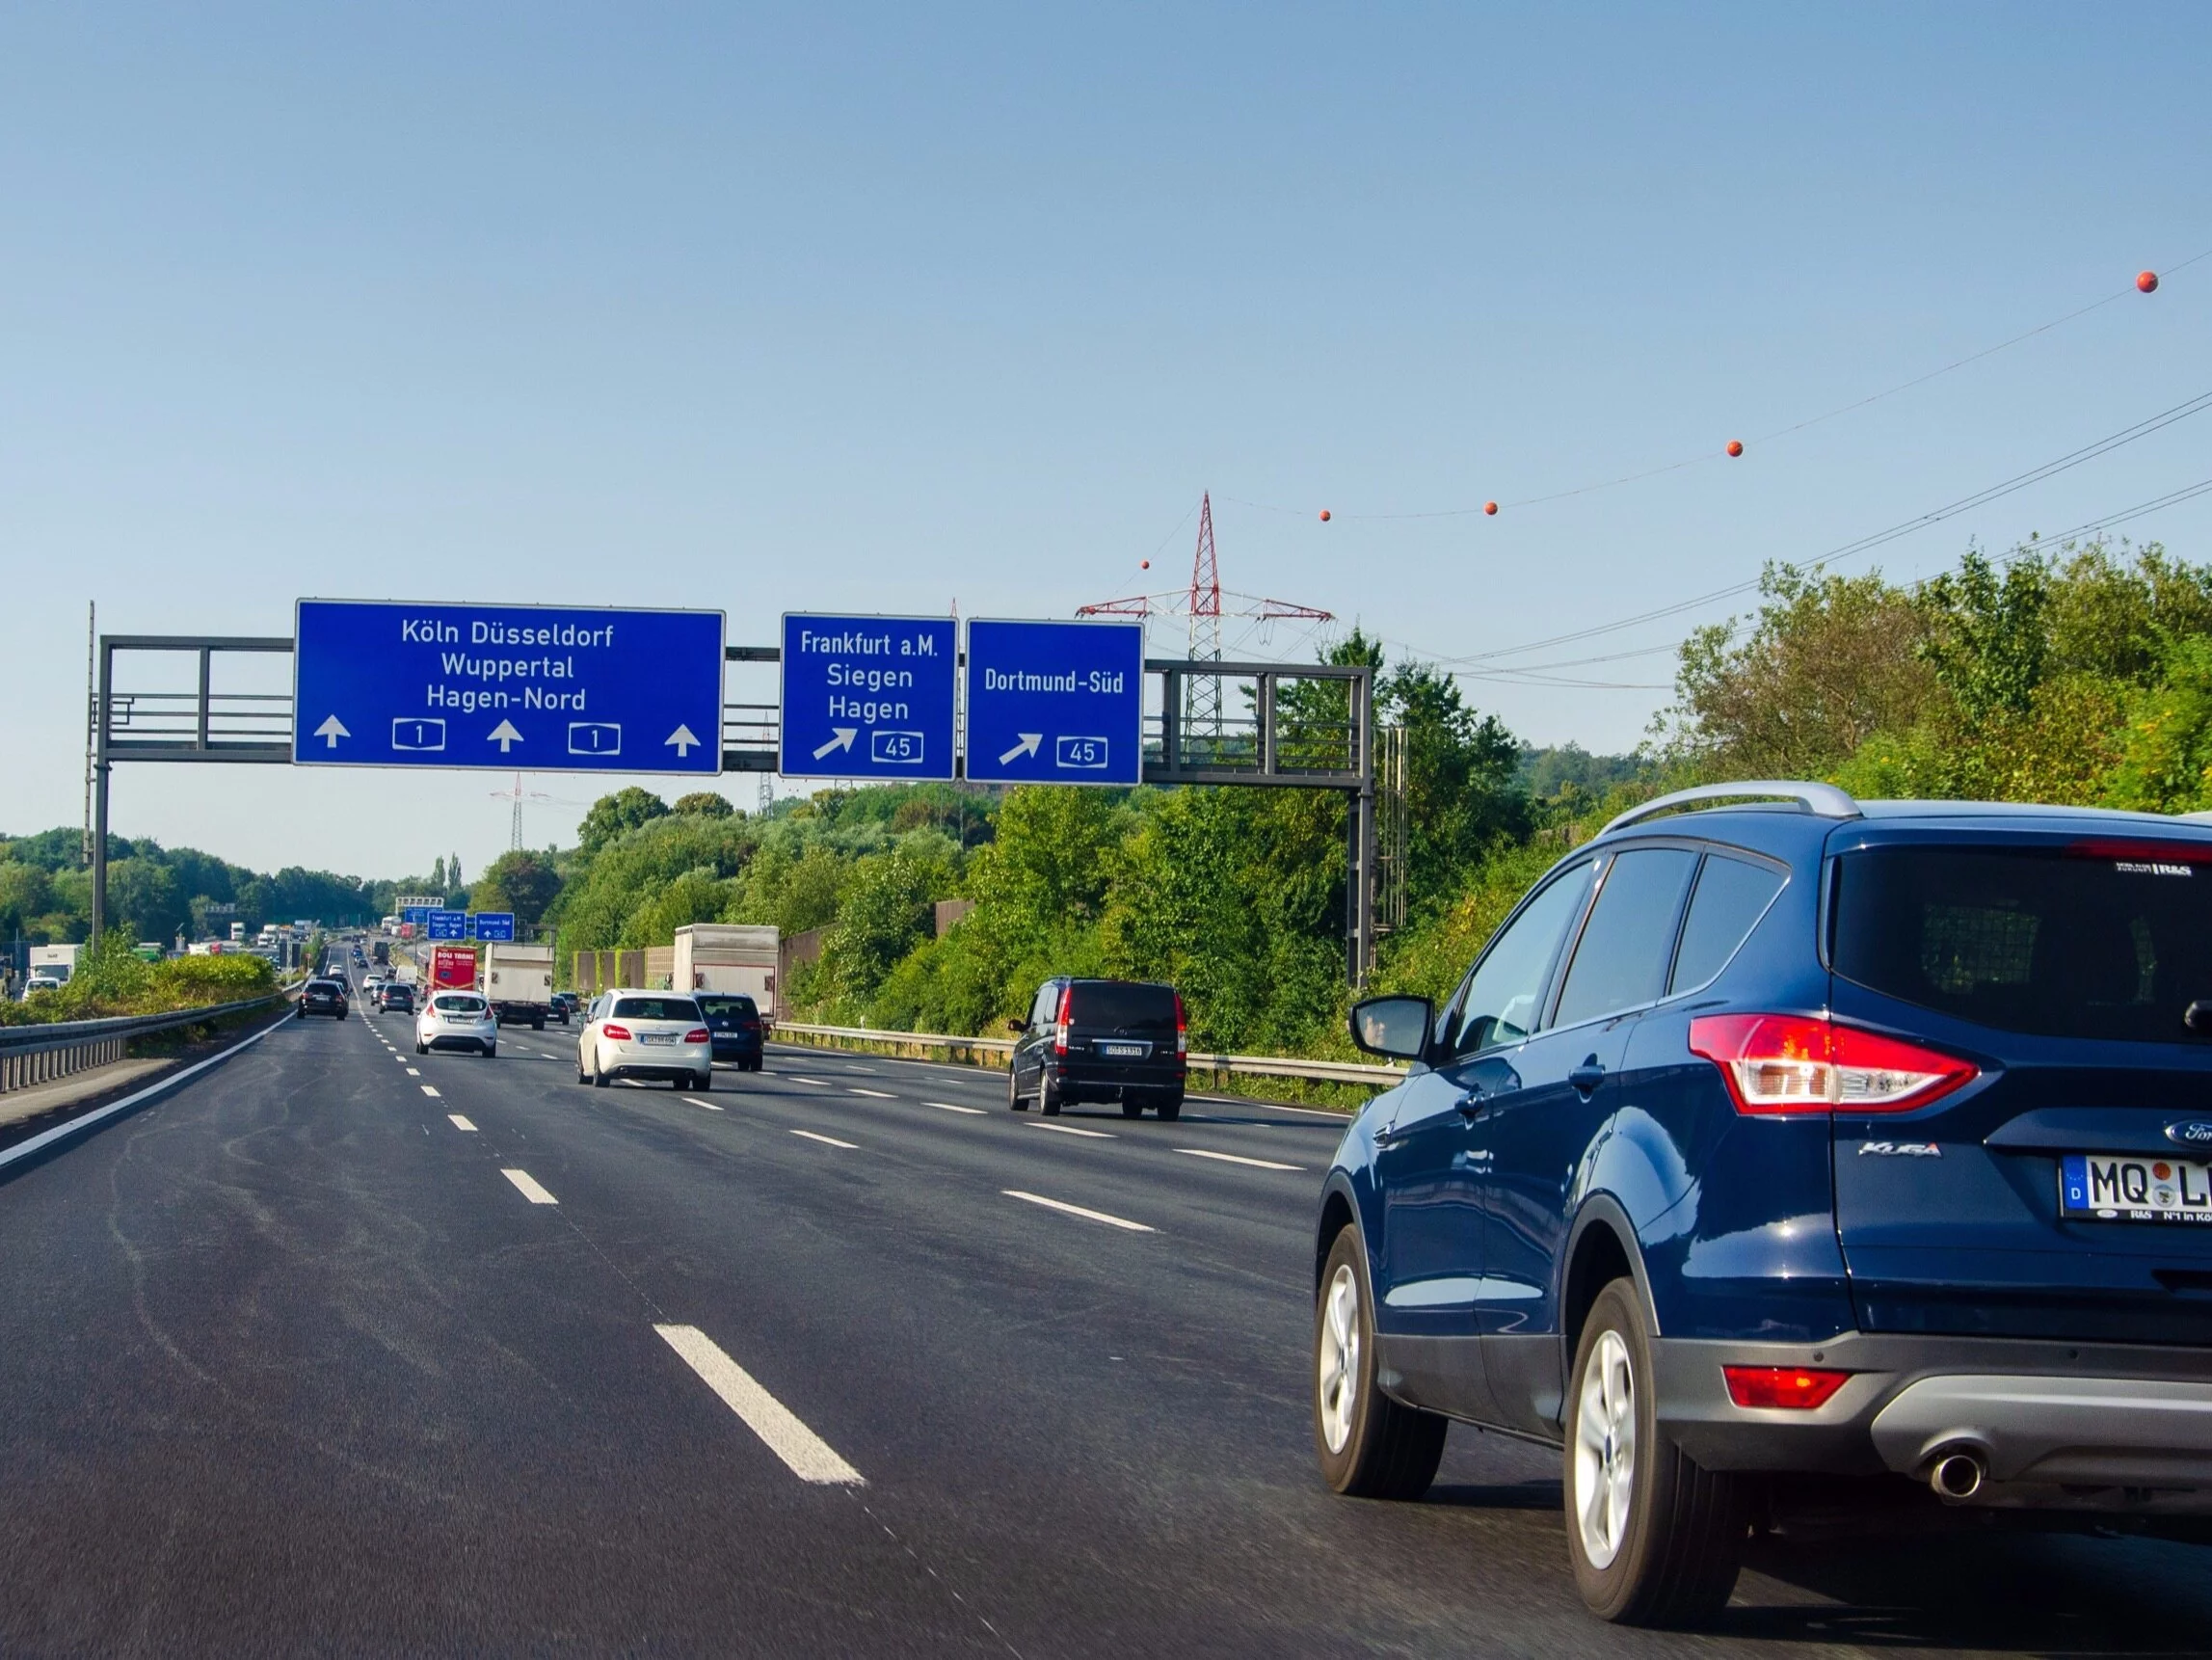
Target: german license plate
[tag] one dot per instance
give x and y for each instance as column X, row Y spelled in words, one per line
column 2135, row 1188
column 1125, row 1050
column 657, row 1038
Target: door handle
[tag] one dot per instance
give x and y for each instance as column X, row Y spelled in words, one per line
column 1586, row 1077
column 1472, row 1104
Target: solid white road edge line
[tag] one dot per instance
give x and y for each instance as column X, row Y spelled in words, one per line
column 1070, row 1130
column 530, row 1189
column 708, row 1104
column 947, row 1107
column 47, row 1138
column 459, row 1122
column 827, row 1140
column 1076, row 1211
column 1237, row 1159
column 810, row 1458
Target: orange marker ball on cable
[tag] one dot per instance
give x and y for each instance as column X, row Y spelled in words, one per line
column 2146, row 282
column 1735, row 446
column 1491, row 508
column 1325, row 516
column 1144, row 564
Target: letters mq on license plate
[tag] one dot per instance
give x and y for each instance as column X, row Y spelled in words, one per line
column 2135, row 1188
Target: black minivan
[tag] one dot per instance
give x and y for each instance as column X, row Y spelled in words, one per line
column 1101, row 1040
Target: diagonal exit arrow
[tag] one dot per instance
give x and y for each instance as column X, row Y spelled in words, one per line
column 331, row 730
column 683, row 741
column 505, row 736
column 1028, row 746
column 842, row 740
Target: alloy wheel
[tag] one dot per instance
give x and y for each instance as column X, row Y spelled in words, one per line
column 1605, row 1450
column 1338, row 1361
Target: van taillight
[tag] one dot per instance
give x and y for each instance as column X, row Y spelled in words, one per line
column 1060, row 1020
column 1182, row 1027
column 1778, row 1064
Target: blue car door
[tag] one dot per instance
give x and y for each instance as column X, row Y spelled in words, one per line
column 1533, row 1141
column 1431, row 1279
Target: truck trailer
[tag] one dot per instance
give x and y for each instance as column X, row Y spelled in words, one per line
column 519, row 982
column 730, row 957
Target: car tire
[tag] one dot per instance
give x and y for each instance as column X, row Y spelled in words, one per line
column 583, row 1077
column 1131, row 1103
column 1048, row 1098
column 420, row 1047
column 538, row 1025
column 303, row 1011
column 491, row 1052
column 703, row 1082
column 1655, row 1538
column 1370, row 1447
column 600, row 1078
column 1014, row 1101
column 1171, row 1108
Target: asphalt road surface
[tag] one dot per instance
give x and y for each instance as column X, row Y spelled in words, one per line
column 340, row 1349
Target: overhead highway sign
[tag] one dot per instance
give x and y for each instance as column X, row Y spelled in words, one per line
column 550, row 688
column 1055, row 703
column 868, row 697
column 491, row 925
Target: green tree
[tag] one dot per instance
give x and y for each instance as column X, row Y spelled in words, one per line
column 612, row 815
column 704, row 804
column 520, row 882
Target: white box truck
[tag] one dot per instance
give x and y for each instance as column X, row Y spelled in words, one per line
column 518, row 980
column 728, row 956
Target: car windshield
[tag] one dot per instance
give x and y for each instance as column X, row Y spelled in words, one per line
column 656, row 1009
column 458, row 1005
column 2099, row 940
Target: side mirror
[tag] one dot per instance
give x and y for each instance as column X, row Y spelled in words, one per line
column 1397, row 1028
column 1017, row 1026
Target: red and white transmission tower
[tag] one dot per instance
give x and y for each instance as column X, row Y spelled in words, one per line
column 1203, row 605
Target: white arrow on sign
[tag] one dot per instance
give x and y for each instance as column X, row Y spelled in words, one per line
column 842, row 740
column 331, row 730
column 684, row 742
column 1028, row 746
column 505, row 736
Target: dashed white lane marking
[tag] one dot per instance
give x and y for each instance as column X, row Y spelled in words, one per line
column 810, row 1458
column 817, row 1083
column 460, row 1123
column 530, row 1189
column 1076, row 1211
column 947, row 1107
column 1237, row 1159
column 708, row 1104
column 878, row 1094
column 868, row 1069
column 827, row 1140
column 1070, row 1130
column 430, row 1090
column 414, row 1072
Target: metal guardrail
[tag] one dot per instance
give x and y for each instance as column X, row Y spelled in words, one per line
column 1246, row 1065
column 32, row 1055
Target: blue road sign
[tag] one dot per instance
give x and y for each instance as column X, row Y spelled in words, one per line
column 419, row 914
column 542, row 689
column 868, row 697
column 1055, row 703
column 491, row 925
column 447, row 926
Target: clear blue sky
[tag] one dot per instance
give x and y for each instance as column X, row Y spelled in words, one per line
column 884, row 308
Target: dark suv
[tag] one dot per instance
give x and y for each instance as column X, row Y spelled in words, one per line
column 395, row 997
column 323, row 997
column 1793, row 1157
column 734, row 1020
column 1101, row 1040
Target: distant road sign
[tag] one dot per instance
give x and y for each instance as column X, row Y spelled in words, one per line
column 491, row 925
column 1055, row 703
column 868, row 697
column 547, row 688
column 446, row 926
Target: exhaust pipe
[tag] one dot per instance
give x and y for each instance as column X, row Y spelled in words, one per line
column 1957, row 1475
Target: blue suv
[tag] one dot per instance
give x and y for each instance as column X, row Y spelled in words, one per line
column 1793, row 1155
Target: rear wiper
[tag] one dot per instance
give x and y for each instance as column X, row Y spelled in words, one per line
column 2197, row 1016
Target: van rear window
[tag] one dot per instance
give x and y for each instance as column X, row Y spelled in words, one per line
column 1122, row 1007
column 2060, row 943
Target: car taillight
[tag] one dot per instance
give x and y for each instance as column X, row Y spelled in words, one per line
column 701, row 1035
column 1776, row 1063
column 620, row 1033
column 1802, row 1387
column 1182, row 1028
column 1060, row 1020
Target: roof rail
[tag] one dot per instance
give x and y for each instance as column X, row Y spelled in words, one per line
column 1824, row 800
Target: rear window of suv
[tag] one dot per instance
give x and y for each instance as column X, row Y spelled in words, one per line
column 2098, row 941
column 656, row 1009
column 1122, row 1006
column 724, row 1012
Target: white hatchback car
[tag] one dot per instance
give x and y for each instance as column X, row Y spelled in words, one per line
column 457, row 1020
column 645, row 1035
